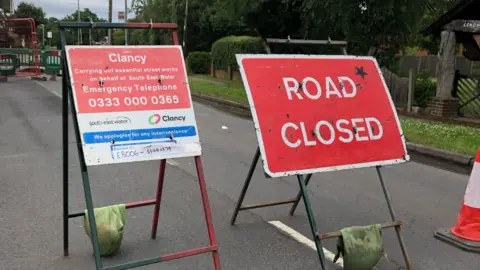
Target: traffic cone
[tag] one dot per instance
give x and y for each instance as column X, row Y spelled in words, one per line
column 468, row 223
column 466, row 233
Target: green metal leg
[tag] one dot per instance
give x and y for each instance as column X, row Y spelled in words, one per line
column 91, row 219
column 311, row 220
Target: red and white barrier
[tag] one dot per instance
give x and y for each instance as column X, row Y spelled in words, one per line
column 468, row 223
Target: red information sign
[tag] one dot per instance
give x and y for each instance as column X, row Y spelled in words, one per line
column 132, row 103
column 321, row 113
column 119, row 79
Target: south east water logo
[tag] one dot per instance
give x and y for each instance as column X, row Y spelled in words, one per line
column 154, row 119
column 121, row 120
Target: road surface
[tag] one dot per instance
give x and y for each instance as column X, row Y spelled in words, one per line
column 426, row 198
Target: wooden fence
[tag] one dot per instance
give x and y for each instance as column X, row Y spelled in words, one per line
column 428, row 65
column 468, row 92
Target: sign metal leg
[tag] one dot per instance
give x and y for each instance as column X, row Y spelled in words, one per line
column 299, row 196
column 393, row 216
column 91, row 218
column 85, row 178
column 256, row 157
column 208, row 213
column 65, row 160
column 311, row 220
column 158, row 198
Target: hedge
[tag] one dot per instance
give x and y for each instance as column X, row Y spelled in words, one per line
column 198, row 62
column 224, row 49
column 425, row 89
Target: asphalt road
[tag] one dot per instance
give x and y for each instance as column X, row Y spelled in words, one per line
column 31, row 202
column 425, row 198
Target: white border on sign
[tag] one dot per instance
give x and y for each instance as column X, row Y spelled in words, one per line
column 75, row 102
column 240, row 58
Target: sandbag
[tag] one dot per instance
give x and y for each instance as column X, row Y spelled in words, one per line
column 362, row 247
column 110, row 222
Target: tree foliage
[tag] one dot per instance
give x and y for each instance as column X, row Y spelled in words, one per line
column 380, row 27
column 28, row 10
column 383, row 27
column 434, row 9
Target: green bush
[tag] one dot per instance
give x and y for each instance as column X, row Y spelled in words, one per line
column 198, row 62
column 425, row 89
column 224, row 49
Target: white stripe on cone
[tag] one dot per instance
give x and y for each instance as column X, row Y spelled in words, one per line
column 472, row 194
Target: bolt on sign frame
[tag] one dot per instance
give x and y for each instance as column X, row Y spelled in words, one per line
column 304, row 180
column 10, row 23
column 67, row 94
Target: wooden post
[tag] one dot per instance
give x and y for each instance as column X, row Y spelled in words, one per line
column 230, row 72
column 412, row 79
column 444, row 105
column 446, row 65
column 212, row 69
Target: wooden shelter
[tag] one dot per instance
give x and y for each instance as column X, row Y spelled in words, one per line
column 459, row 25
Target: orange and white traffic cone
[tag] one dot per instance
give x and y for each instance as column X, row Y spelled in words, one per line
column 466, row 233
column 468, row 223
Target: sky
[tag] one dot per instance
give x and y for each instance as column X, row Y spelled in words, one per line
column 60, row 8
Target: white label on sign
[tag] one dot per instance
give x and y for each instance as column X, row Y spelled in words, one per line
column 150, row 150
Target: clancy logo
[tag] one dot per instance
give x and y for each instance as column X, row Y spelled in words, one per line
column 156, row 118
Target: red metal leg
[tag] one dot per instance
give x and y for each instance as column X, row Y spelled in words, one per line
column 175, row 37
column 158, row 199
column 208, row 212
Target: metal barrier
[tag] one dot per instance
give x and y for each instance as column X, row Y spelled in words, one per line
column 25, row 56
column 51, row 61
column 7, row 65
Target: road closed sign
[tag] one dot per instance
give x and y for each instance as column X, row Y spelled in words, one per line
column 321, row 113
column 132, row 103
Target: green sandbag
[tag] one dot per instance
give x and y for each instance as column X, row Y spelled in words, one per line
column 362, row 247
column 110, row 222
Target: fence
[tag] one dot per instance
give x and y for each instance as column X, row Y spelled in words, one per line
column 398, row 87
column 428, row 64
column 24, row 56
column 49, row 59
column 468, row 93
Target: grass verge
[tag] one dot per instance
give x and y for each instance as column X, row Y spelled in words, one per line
column 454, row 138
column 217, row 88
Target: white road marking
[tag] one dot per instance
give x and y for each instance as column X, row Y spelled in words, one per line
column 303, row 240
column 22, row 155
column 49, row 90
column 172, row 162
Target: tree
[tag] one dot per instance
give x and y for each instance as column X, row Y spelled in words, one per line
column 434, row 9
column 52, row 26
column 85, row 16
column 380, row 27
column 118, row 37
column 208, row 20
column 27, row 10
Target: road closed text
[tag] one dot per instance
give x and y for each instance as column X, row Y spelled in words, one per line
column 326, row 133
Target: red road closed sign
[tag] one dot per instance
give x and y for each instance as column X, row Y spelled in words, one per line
column 321, row 113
